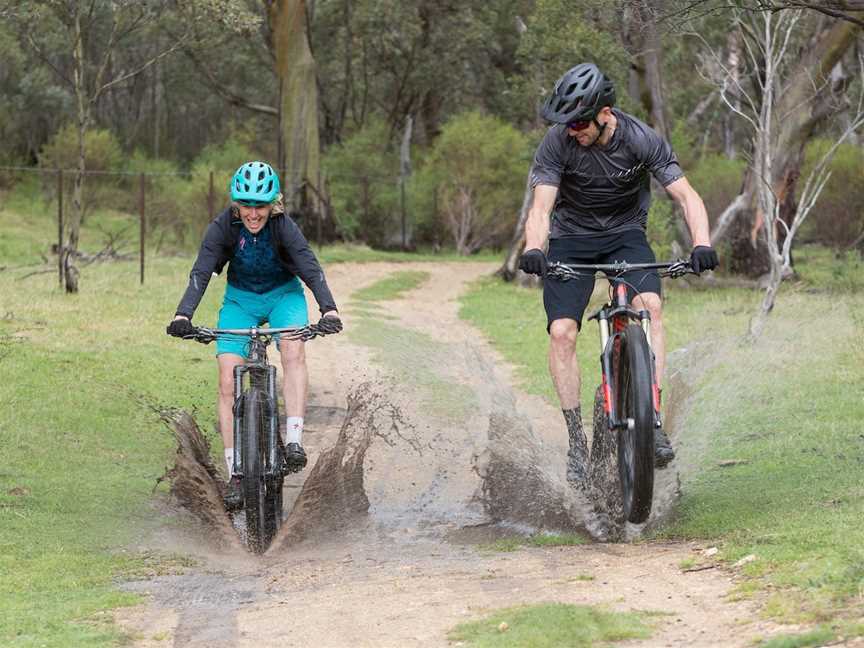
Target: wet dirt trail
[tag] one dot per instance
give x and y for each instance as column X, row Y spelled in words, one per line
column 420, row 451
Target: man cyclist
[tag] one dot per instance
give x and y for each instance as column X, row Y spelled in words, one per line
column 266, row 253
column 591, row 174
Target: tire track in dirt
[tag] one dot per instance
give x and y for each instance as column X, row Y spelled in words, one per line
column 392, row 580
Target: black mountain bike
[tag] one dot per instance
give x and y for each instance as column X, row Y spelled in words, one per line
column 258, row 450
column 629, row 390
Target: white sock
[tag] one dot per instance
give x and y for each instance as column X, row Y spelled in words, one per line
column 293, row 430
column 229, row 460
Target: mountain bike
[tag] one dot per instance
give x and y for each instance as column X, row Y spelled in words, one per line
column 259, row 456
column 629, row 392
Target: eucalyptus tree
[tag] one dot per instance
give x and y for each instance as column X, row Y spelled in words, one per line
column 77, row 39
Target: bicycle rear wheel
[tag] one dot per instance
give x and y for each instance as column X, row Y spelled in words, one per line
column 258, row 491
column 635, row 404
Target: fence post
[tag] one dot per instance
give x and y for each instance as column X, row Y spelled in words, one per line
column 60, row 225
column 143, row 233
column 210, row 199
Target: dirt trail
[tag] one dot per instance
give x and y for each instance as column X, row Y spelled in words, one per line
column 441, row 459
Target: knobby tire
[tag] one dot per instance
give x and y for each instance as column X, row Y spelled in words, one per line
column 260, row 497
column 634, row 400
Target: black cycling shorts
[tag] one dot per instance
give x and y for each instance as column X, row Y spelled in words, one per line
column 568, row 299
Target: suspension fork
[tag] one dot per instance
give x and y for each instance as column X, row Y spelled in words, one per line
column 645, row 321
column 239, row 371
column 273, row 454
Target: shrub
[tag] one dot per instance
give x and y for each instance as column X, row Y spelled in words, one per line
column 363, row 174
column 102, row 152
column 478, row 168
column 837, row 218
column 718, row 180
column 661, row 228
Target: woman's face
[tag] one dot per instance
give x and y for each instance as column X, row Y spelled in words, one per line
column 254, row 218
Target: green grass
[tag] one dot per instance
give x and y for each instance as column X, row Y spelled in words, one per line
column 512, row 543
column 82, row 445
column 550, row 625
column 391, row 287
column 788, row 408
column 347, row 252
column 824, row 269
column 818, row 637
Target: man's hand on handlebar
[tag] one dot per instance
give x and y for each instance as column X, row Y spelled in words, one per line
column 533, row 261
column 703, row 257
column 181, row 327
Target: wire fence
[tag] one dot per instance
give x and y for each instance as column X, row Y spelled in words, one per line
column 152, row 211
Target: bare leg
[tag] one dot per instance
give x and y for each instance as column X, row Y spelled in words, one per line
column 295, row 376
column 227, row 362
column 563, row 364
column 564, row 367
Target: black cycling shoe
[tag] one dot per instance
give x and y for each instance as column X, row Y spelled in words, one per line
column 233, row 497
column 295, row 458
column 663, row 452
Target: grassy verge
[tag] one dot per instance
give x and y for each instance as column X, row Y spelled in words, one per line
column 541, row 540
column 773, row 439
column 82, row 444
column 549, row 626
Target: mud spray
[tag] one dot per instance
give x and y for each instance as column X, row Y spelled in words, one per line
column 394, row 466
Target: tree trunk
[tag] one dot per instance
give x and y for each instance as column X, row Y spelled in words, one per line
column 803, row 118
column 82, row 105
column 298, row 96
column 733, row 64
column 510, row 270
column 643, row 42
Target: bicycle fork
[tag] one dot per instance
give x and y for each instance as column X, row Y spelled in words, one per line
column 608, row 346
column 273, row 466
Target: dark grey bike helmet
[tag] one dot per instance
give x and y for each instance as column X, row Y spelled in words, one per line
column 579, row 95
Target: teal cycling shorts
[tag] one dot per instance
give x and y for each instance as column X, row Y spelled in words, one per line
column 282, row 307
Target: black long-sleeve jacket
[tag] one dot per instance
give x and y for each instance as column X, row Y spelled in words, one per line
column 217, row 249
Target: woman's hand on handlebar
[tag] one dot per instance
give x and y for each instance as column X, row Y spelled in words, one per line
column 181, row 327
column 330, row 323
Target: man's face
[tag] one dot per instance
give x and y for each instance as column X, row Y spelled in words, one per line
column 254, row 218
column 586, row 133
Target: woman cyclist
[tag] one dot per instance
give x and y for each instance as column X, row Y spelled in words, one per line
column 266, row 253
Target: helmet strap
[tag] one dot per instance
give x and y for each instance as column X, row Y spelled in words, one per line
column 600, row 129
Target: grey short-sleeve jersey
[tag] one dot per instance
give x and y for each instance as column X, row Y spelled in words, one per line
column 603, row 189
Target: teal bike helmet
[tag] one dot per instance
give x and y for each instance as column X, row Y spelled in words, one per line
column 254, row 184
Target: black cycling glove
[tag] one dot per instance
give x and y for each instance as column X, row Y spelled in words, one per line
column 180, row 328
column 533, row 261
column 703, row 257
column 330, row 324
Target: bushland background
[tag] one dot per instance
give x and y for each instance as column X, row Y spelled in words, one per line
column 413, row 144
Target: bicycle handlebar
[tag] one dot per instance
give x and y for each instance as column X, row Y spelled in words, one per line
column 567, row 271
column 206, row 335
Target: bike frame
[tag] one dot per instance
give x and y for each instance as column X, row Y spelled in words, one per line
column 613, row 318
column 616, row 316
column 262, row 376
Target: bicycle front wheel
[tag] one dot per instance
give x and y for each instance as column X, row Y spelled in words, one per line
column 259, row 525
column 635, row 406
